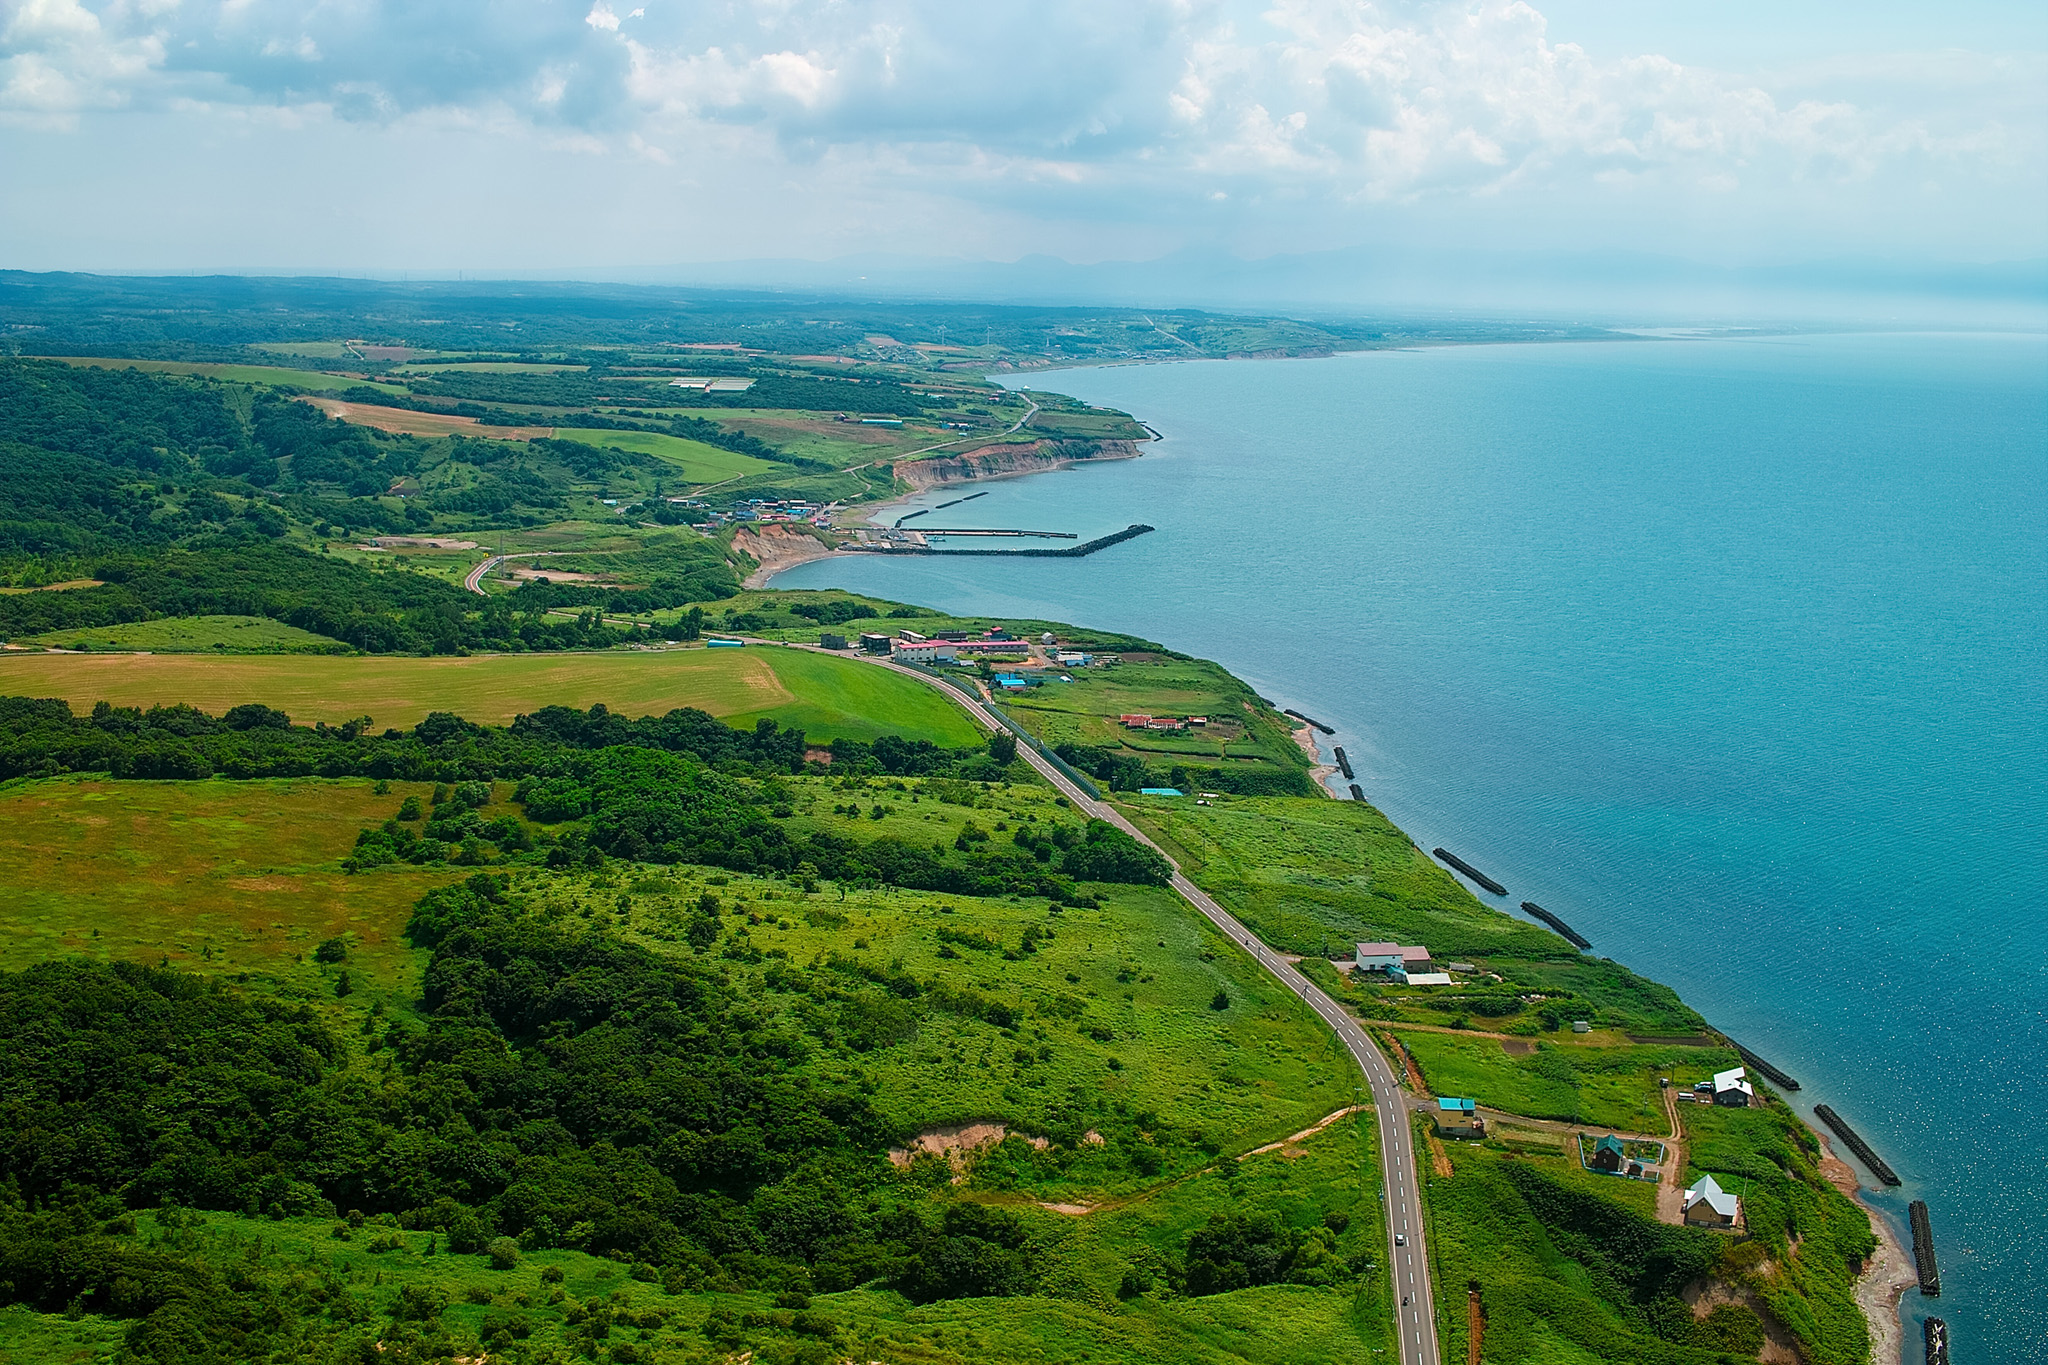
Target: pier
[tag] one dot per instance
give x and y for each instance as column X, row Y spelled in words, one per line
column 1470, row 871
column 990, row 531
column 1071, row 552
column 1855, row 1143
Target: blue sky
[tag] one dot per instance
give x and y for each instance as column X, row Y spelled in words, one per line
column 529, row 135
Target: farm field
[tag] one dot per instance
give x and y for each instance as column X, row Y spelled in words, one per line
column 1565, row 1080
column 1085, row 711
column 700, row 462
column 276, row 375
column 826, row 697
column 407, row 422
column 195, row 635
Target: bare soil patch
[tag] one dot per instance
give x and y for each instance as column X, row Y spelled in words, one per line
column 1518, row 1047
column 1304, row 1135
column 957, row 1143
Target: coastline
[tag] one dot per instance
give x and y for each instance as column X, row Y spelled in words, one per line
column 1887, row 1275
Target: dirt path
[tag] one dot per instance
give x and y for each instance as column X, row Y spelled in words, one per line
column 1305, row 1134
column 1671, row 1189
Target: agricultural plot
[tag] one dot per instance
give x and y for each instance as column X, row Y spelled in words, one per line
column 825, row 696
column 1605, row 1087
column 1315, row 876
column 699, row 462
column 196, row 635
column 407, row 422
column 1085, row 711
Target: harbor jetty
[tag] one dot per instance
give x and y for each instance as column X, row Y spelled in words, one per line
column 1571, row 935
column 1764, row 1068
column 1470, row 871
column 1923, row 1249
column 1072, row 552
column 1854, row 1141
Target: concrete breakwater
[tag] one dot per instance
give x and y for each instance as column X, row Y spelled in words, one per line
column 1356, row 794
column 1923, row 1249
column 1344, row 764
column 1769, row 1072
column 1309, row 721
column 1470, row 871
column 1854, row 1141
column 1934, row 1332
column 1571, row 935
column 1073, row 552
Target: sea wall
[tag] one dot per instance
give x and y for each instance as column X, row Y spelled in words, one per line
column 998, row 461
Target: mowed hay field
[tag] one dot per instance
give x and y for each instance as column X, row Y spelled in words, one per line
column 214, row 876
column 826, row 697
column 701, row 463
column 406, row 422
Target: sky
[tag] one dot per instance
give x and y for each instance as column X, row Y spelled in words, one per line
column 608, row 137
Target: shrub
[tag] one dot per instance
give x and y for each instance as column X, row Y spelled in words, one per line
column 504, row 1253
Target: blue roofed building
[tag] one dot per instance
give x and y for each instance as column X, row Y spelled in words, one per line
column 1457, row 1117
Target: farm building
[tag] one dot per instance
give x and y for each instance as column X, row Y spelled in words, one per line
column 1456, row 1117
column 1393, row 959
column 1732, row 1090
column 1707, row 1205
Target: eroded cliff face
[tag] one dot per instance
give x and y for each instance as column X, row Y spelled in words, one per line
column 775, row 547
column 996, row 461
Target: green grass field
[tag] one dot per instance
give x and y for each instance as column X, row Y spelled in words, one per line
column 1605, row 1087
column 827, row 697
column 1085, row 711
column 1313, row 875
column 238, row 374
column 218, row 876
column 198, row 635
column 699, row 462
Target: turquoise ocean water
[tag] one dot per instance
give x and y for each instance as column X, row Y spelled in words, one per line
column 1734, row 653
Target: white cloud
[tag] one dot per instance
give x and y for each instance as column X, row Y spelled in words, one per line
column 1180, row 112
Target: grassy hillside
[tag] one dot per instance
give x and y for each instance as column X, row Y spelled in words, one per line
column 1091, row 1029
column 195, row 635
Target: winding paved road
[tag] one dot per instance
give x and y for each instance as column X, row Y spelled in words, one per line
column 1407, row 1246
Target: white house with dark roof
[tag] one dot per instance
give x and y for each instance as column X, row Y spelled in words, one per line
column 1707, row 1205
column 1393, row 959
